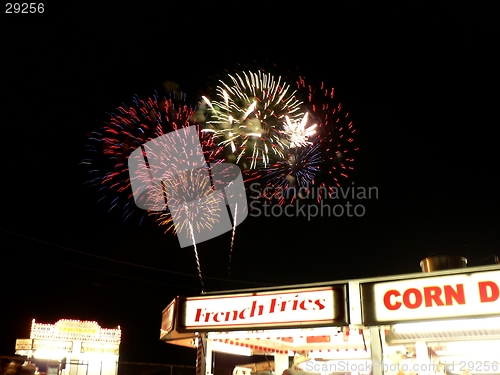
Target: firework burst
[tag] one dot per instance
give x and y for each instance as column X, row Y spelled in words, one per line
column 317, row 150
column 288, row 178
column 334, row 134
column 128, row 128
column 248, row 117
column 288, row 137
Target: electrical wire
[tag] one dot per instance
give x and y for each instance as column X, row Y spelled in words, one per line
column 130, row 263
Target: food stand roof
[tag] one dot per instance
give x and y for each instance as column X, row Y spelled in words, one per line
column 395, row 277
column 355, row 335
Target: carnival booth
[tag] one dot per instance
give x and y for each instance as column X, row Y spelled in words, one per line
column 72, row 347
column 444, row 321
column 297, row 322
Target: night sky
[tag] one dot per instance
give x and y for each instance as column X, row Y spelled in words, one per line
column 420, row 84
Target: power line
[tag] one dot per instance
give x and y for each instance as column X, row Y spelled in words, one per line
column 130, row 263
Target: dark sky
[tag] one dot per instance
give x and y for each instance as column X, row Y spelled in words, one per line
column 421, row 85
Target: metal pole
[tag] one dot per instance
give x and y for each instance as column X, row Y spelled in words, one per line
column 31, row 351
column 377, row 351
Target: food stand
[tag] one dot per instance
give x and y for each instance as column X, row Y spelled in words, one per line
column 71, row 347
column 444, row 321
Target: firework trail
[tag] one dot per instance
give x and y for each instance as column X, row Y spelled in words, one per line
column 198, row 265
column 172, row 169
column 252, row 116
column 131, row 128
column 232, row 239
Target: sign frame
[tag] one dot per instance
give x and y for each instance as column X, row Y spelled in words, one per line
column 290, row 300
column 430, row 298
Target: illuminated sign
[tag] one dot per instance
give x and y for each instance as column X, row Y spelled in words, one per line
column 77, row 329
column 51, row 345
column 39, row 330
column 461, row 295
column 288, row 308
column 66, row 329
column 88, row 347
column 24, row 344
column 110, row 335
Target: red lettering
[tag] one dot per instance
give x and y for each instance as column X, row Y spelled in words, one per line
column 242, row 313
column 254, row 306
column 270, row 306
column 433, row 296
column 303, row 304
column 207, row 317
column 387, row 300
column 432, row 293
column 273, row 305
column 407, row 298
column 319, row 304
column 198, row 315
column 488, row 291
column 458, row 295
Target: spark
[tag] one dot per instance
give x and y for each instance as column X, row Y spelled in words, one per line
column 297, row 132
